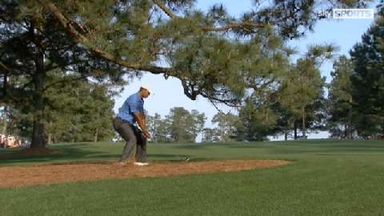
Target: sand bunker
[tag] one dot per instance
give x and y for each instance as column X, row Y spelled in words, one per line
column 24, row 176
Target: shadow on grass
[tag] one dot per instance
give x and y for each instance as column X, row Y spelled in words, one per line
column 54, row 155
column 74, row 153
column 194, row 146
column 190, row 146
column 316, row 147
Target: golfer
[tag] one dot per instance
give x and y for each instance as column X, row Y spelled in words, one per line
column 131, row 125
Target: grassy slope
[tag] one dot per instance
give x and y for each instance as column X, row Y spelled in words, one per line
column 327, row 178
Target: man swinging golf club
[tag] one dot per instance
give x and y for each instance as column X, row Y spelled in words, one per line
column 131, row 125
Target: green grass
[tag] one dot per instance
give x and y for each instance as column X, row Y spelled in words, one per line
column 326, row 178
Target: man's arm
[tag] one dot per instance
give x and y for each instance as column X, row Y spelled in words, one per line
column 140, row 119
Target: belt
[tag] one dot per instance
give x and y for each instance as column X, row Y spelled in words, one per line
column 123, row 120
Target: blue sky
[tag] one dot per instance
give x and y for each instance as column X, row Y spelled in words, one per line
column 169, row 93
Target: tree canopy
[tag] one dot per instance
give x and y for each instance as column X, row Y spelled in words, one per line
column 179, row 126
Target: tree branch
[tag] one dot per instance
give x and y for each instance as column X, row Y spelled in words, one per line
column 165, row 9
column 69, row 27
column 4, row 67
column 79, row 38
column 246, row 26
column 68, row 80
column 72, row 29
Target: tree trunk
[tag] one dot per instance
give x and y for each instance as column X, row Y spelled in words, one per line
column 303, row 124
column 38, row 77
column 295, row 130
column 96, row 135
column 4, row 130
column 49, row 138
column 349, row 125
column 38, row 140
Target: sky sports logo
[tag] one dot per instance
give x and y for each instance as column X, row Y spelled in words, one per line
column 347, row 14
column 353, row 13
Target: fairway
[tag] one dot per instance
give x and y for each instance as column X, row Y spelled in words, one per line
column 324, row 178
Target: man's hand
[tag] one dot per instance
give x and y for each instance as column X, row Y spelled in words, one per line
column 147, row 134
column 140, row 119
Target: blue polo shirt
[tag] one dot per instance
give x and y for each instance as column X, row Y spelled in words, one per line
column 133, row 104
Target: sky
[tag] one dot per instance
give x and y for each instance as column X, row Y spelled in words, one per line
column 169, row 93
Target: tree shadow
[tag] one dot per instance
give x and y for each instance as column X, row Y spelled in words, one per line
column 66, row 154
column 73, row 154
column 193, row 146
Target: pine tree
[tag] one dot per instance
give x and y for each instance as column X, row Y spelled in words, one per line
column 301, row 94
column 184, row 126
column 340, row 99
column 159, row 128
column 77, row 111
column 226, row 125
column 257, row 121
column 368, row 81
column 32, row 47
column 211, row 135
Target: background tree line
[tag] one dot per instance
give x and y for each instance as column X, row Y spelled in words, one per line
column 356, row 93
column 74, row 111
column 179, row 126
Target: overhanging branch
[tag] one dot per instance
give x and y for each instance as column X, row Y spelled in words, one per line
column 246, row 26
column 79, row 38
column 165, row 9
column 72, row 29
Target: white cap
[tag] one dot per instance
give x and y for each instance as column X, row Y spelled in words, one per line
column 147, row 88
